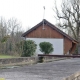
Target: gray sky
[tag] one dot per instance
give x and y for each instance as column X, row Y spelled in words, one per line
column 28, row 12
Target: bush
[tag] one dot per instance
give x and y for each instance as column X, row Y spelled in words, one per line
column 46, row 47
column 28, row 48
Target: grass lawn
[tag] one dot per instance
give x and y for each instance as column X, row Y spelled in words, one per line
column 7, row 56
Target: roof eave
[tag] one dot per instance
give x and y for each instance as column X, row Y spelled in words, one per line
column 51, row 25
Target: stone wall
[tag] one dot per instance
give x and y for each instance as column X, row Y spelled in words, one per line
column 18, row 61
column 25, row 60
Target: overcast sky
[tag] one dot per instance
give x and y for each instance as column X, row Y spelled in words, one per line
column 28, row 12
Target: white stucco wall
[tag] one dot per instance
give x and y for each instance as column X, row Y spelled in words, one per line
column 57, row 45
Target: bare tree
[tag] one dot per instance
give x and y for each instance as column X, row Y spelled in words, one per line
column 69, row 16
column 14, row 31
column 3, row 34
column 10, row 35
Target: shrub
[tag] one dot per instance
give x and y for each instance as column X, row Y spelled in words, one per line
column 28, row 48
column 46, row 47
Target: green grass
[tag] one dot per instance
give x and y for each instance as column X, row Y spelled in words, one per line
column 2, row 78
column 6, row 56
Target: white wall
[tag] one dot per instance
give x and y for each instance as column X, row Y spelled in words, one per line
column 57, row 44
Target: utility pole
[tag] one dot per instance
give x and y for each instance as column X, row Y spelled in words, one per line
column 43, row 17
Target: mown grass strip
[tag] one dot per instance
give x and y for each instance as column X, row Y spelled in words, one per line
column 6, row 56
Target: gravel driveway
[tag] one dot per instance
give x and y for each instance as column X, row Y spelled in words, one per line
column 56, row 70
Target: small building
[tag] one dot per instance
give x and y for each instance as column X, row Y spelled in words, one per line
column 45, row 31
